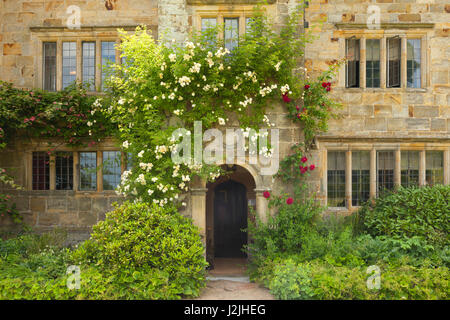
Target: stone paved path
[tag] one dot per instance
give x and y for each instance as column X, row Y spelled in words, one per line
column 227, row 288
column 228, row 281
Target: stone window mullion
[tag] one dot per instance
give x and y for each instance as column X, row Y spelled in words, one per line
column 362, row 68
column 373, row 173
column 403, row 63
column 348, row 179
column 99, row 171
column 98, row 66
column 383, row 63
column 422, row 166
column 59, row 65
column 397, row 168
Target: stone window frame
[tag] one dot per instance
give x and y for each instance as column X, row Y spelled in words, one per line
column 76, row 170
column 383, row 35
column 59, row 38
column 397, row 148
column 234, row 10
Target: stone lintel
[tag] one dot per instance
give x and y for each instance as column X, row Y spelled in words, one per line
column 213, row 2
column 41, row 29
column 353, row 26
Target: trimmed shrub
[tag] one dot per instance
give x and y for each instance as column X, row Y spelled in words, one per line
column 320, row 280
column 409, row 212
column 137, row 237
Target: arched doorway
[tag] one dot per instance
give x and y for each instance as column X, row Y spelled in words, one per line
column 230, row 218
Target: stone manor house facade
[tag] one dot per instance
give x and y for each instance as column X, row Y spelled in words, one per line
column 394, row 127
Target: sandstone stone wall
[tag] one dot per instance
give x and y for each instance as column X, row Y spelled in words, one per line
column 383, row 118
column 24, row 22
column 387, row 112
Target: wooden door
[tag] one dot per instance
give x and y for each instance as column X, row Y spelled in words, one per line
column 230, row 216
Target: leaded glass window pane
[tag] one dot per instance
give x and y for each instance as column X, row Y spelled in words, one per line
column 88, row 170
column 394, row 62
column 69, row 63
column 111, row 169
column 372, row 63
column 360, row 177
column 108, row 57
column 49, row 67
column 64, row 171
column 413, row 76
column 41, row 171
column 89, row 65
column 385, row 170
column 352, row 67
column 434, row 167
column 336, row 179
column 410, row 168
column 231, row 33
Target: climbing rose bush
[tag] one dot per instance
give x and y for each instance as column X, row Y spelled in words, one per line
column 163, row 86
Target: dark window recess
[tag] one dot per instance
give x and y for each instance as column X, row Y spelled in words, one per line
column 49, row 66
column 385, row 170
column 336, row 179
column 372, row 63
column 360, row 177
column 41, row 171
column 394, row 62
column 64, row 171
column 352, row 67
column 410, row 168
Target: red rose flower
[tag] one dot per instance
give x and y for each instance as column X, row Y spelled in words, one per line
column 300, row 167
column 286, row 98
column 312, row 167
column 266, row 194
column 324, row 84
column 304, row 159
column 297, row 107
column 328, row 89
column 303, row 170
column 289, row 200
column 307, row 86
column 329, row 84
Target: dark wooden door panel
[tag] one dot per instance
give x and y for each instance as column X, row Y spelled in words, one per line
column 230, row 216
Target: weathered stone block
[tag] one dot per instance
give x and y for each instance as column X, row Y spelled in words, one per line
column 396, row 124
column 84, row 204
column 99, row 204
column 382, row 110
column 48, row 218
column 87, row 218
column 426, row 112
column 362, row 111
column 417, row 124
column 56, row 203
column 12, row 49
column 37, row 204
column 438, row 125
column 69, row 219
column 376, row 124
column 409, row 17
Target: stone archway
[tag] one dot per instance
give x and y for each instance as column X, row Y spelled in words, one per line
column 202, row 201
